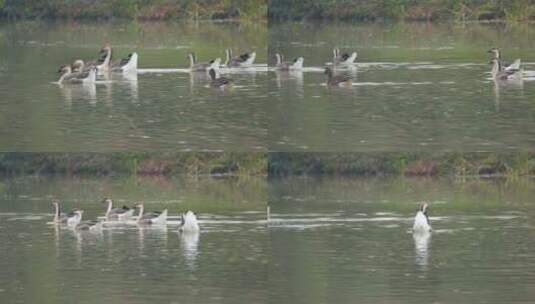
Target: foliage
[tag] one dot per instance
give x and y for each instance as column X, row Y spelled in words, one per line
column 133, row 163
column 403, row 9
column 142, row 9
column 457, row 164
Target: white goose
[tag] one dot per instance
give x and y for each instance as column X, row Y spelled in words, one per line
column 421, row 221
column 296, row 64
column 188, row 222
column 245, row 59
column 343, row 59
column 71, row 218
column 156, row 218
column 195, row 66
column 126, row 65
column 120, row 214
column 80, row 76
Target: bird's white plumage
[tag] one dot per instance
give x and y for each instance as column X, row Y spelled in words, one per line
column 189, row 222
column 421, row 223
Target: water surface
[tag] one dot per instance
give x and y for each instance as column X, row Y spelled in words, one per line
column 162, row 108
column 127, row 263
column 349, row 240
column 415, row 87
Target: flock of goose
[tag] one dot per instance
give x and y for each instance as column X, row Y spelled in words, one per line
column 87, row 72
column 500, row 70
column 74, row 220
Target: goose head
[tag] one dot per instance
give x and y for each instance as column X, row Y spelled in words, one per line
column 495, row 52
column 423, row 208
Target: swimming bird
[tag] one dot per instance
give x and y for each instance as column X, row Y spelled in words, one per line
column 343, row 59
column 59, row 217
column 188, row 222
column 421, row 221
column 151, row 217
column 245, row 59
column 516, row 65
column 117, row 213
column 296, row 64
column 82, row 76
column 195, row 66
column 338, row 80
column 103, row 64
column 219, row 82
column 128, row 64
column 500, row 73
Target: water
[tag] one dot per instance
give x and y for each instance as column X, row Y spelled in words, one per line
column 416, row 87
column 126, row 263
column 338, row 240
column 163, row 107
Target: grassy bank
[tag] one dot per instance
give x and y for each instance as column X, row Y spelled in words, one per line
column 519, row 10
column 135, row 9
column 165, row 164
column 408, row 164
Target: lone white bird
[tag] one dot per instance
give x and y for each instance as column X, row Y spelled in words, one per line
column 188, row 222
column 421, row 221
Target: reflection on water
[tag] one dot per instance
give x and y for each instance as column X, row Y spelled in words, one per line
column 189, row 242
column 414, row 87
column 335, row 240
column 421, row 248
column 162, row 107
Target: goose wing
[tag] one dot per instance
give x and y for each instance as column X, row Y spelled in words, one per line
column 515, row 66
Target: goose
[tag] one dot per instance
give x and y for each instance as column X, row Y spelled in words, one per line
column 104, row 62
column 195, row 66
column 245, row 59
column 128, row 64
column 84, row 225
column 59, row 217
column 219, row 82
column 338, row 80
column 500, row 73
column 343, row 59
column 188, row 222
column 516, row 65
column 81, row 76
column 151, row 217
column 421, row 221
column 296, row 64
column 117, row 213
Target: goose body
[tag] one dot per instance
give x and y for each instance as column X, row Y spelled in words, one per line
column 80, row 76
column 343, row 59
column 296, row 64
column 128, row 64
column 188, row 222
column 195, row 66
column 120, row 214
column 515, row 66
column 337, row 80
column 219, row 82
column 245, row 59
column 151, row 218
column 509, row 73
column 421, row 221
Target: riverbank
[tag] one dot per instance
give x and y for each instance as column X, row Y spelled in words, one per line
column 130, row 163
column 409, row 10
column 135, row 9
column 403, row 164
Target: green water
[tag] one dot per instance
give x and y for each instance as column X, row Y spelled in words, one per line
column 336, row 240
column 42, row 263
column 416, row 87
column 155, row 110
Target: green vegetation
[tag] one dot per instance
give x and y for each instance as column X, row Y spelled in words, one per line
column 520, row 10
column 138, row 9
column 127, row 163
column 410, row 164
